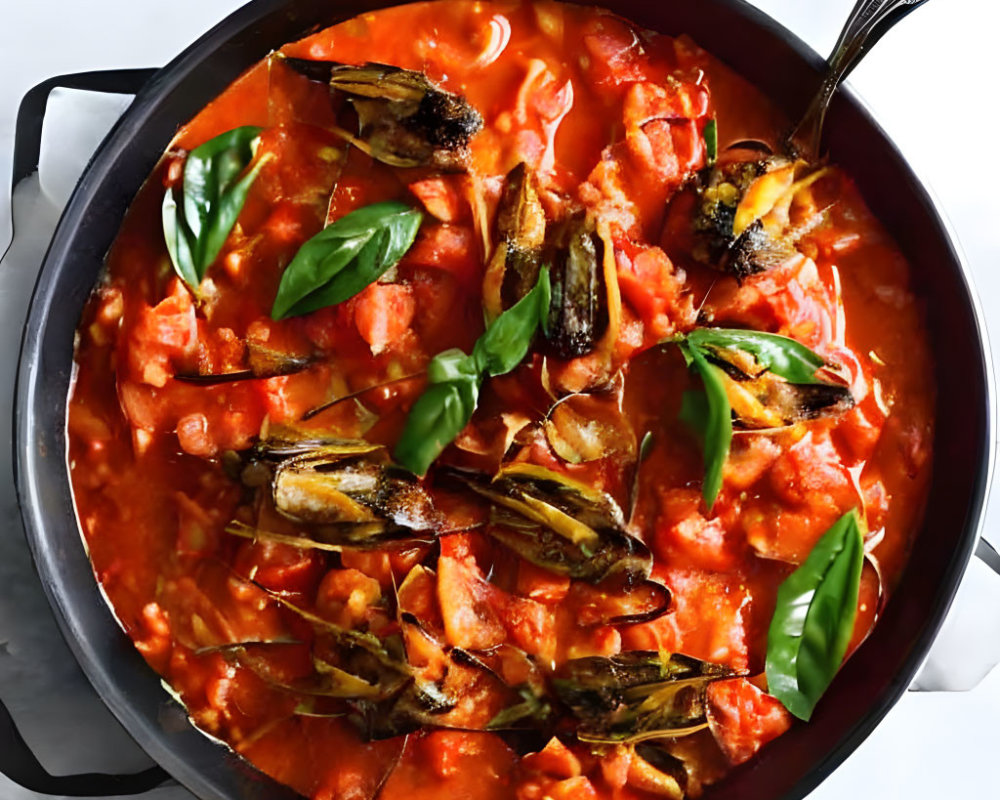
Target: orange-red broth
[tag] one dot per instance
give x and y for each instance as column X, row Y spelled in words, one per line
column 568, row 94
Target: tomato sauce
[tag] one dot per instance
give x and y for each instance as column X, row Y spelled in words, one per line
column 612, row 120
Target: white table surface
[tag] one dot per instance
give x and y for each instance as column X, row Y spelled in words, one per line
column 932, row 83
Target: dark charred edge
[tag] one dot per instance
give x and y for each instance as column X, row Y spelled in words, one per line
column 312, row 412
column 660, row 759
column 445, row 120
column 822, row 399
column 318, row 71
column 217, row 378
column 743, row 258
column 666, row 598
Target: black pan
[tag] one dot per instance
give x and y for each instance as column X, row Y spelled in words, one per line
column 755, row 46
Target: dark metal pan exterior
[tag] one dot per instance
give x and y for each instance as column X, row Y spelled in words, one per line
column 755, row 46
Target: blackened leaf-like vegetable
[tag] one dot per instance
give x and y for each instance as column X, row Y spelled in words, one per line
column 244, row 531
column 645, row 448
column 743, row 223
column 637, row 696
column 771, row 380
column 711, row 420
column 784, row 356
column 405, row 120
column 262, row 362
column 449, row 401
column 345, row 257
column 521, row 229
column 347, row 664
column 562, row 525
column 440, row 413
column 505, row 343
column 351, row 496
column 213, row 196
column 814, row 618
column 575, row 318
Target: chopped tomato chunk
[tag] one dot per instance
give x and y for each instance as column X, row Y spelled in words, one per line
column 743, row 718
column 383, row 313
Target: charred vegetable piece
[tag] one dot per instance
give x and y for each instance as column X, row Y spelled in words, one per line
column 742, row 221
column 347, row 664
column 577, row 316
column 771, row 380
column 637, row 696
column 262, row 362
column 562, row 525
column 520, row 228
column 755, row 380
column 404, row 119
column 351, row 484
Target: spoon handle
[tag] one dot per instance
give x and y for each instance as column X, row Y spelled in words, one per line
column 868, row 22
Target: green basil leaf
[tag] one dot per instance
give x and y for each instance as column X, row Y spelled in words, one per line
column 447, row 405
column 711, row 419
column 213, row 196
column 711, row 136
column 785, row 357
column 814, row 617
column 178, row 239
column 452, row 365
column 507, row 340
column 345, row 257
column 435, row 420
column 213, row 192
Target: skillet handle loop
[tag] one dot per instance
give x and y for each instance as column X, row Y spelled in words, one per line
column 28, row 128
column 986, row 553
column 19, row 764
column 868, row 22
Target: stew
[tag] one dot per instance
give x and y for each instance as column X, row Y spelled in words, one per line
column 479, row 402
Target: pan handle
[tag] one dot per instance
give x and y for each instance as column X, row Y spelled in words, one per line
column 28, row 128
column 19, row 764
column 17, row 761
column 31, row 111
column 987, row 553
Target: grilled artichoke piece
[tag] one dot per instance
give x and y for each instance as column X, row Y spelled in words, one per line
column 521, row 229
column 347, row 664
column 353, row 483
column 578, row 314
column 760, row 399
column 742, row 221
column 637, row 696
column 562, row 525
column 404, row 119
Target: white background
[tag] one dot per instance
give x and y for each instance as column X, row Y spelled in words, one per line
column 932, row 83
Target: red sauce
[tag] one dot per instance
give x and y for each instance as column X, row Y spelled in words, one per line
column 578, row 95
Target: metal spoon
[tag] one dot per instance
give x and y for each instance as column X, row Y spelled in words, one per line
column 868, row 22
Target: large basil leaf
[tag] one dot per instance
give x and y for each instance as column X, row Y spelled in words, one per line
column 506, row 341
column 786, row 357
column 213, row 194
column 454, row 378
column 710, row 415
column 440, row 413
column 814, row 618
column 345, row 257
